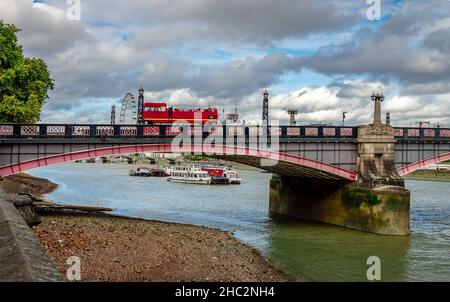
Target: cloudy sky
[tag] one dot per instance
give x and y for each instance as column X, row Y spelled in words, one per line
column 320, row 57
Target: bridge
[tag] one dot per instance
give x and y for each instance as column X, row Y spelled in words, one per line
column 324, row 149
column 348, row 176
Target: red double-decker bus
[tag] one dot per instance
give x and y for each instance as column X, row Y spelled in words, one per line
column 159, row 113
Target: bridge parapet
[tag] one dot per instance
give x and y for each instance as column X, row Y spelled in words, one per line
column 402, row 133
column 90, row 130
column 94, row 130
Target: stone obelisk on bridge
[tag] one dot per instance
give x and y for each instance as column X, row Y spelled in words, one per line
column 376, row 152
column 377, row 202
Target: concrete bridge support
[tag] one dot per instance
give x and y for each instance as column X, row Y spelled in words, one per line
column 381, row 210
column 377, row 202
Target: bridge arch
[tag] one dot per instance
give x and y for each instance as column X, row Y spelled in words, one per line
column 281, row 163
column 423, row 163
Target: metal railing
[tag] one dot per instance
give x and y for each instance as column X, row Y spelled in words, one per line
column 422, row 133
column 90, row 130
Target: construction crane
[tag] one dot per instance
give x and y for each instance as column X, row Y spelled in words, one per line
column 344, row 115
column 421, row 123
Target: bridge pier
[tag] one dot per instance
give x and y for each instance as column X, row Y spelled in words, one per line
column 378, row 202
column 381, row 210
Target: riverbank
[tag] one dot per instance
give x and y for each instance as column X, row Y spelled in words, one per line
column 25, row 183
column 123, row 249
column 429, row 175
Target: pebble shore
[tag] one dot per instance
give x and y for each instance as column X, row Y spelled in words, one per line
column 122, row 249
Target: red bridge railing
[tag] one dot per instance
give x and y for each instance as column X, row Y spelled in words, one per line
column 422, row 133
column 77, row 131
column 89, row 130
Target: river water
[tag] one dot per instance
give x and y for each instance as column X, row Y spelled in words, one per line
column 307, row 251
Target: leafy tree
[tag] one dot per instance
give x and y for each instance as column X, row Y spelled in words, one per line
column 24, row 82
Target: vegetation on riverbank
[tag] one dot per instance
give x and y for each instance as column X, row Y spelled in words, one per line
column 429, row 175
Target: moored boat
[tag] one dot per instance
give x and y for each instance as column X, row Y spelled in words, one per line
column 222, row 174
column 219, row 180
column 189, row 174
column 148, row 172
column 206, row 174
column 232, row 176
column 191, row 177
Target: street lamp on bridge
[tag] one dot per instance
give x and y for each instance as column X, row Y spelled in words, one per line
column 113, row 115
column 292, row 113
column 265, row 108
column 377, row 98
column 140, row 118
column 343, row 117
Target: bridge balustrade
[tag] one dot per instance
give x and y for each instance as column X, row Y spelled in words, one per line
column 141, row 131
column 422, row 133
column 84, row 131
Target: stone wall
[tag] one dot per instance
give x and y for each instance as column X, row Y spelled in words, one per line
column 376, row 154
column 22, row 257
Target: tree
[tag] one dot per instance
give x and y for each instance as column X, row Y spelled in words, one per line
column 24, row 82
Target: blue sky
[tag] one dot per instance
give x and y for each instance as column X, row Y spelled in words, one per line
column 321, row 57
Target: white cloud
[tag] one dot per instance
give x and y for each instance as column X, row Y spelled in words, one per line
column 203, row 52
column 403, row 104
column 45, row 29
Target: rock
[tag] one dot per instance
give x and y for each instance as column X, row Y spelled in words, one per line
column 29, row 215
column 24, row 204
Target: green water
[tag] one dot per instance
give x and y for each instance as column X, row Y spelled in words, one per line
column 326, row 253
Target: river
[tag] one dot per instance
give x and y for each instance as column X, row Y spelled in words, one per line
column 310, row 251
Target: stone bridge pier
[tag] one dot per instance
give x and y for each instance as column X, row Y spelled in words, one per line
column 377, row 202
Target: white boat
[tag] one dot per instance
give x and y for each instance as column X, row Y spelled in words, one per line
column 222, row 174
column 232, row 176
column 189, row 174
column 147, row 172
